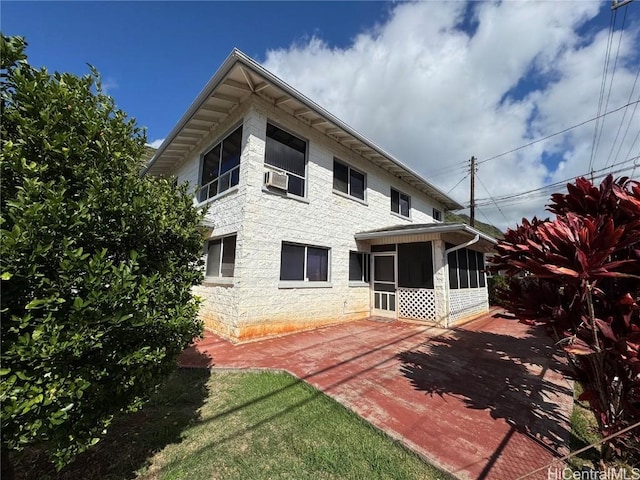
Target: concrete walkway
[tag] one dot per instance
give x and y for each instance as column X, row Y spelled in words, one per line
column 486, row 401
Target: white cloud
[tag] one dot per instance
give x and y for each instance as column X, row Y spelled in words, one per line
column 109, row 84
column 433, row 95
column 156, row 143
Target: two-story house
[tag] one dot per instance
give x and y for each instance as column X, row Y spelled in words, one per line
column 311, row 223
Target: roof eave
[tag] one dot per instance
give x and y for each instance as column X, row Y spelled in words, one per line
column 444, row 228
column 450, row 203
column 238, row 56
column 205, row 93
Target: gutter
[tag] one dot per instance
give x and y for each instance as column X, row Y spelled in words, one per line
column 444, row 228
column 462, row 245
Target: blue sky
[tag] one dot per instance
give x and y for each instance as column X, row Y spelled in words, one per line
column 155, row 57
column 431, row 82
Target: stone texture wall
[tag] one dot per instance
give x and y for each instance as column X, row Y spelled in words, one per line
column 323, row 218
column 255, row 303
column 219, row 309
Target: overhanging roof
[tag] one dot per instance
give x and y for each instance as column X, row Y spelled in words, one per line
column 236, row 80
column 423, row 228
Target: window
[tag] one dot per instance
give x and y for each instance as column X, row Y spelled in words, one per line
column 288, row 153
column 221, row 166
column 437, row 215
column 358, row 267
column 482, row 275
column 349, row 181
column 221, row 257
column 400, row 203
column 415, row 265
column 466, row 268
column 304, row 263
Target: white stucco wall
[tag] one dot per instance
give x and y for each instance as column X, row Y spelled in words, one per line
column 323, row 219
column 219, row 309
column 254, row 303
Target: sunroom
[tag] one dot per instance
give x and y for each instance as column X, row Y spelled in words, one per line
column 432, row 273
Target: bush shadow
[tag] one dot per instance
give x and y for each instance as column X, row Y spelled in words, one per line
column 133, row 438
column 506, row 375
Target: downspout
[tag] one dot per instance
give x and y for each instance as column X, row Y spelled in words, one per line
column 462, row 245
column 446, row 262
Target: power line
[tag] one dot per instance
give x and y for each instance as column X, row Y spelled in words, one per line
column 555, row 184
column 542, row 190
column 450, row 172
column 633, row 87
column 461, row 180
column 447, row 170
column 558, row 133
column 613, row 74
column 542, row 193
column 628, row 127
column 603, row 85
column 485, row 189
column 632, row 145
column 484, row 216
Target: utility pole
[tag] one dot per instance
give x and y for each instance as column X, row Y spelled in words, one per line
column 615, row 4
column 472, row 215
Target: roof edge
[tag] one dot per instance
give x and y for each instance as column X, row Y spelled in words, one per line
column 443, row 228
column 205, row 93
column 239, row 56
column 454, row 205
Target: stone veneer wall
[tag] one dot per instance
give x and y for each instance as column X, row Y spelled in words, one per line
column 255, row 303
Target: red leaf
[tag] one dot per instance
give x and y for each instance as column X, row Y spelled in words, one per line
column 588, row 395
column 582, row 258
column 592, row 397
column 561, row 270
column 606, row 330
column 626, row 300
column 576, row 349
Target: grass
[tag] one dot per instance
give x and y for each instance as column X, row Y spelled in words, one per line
column 205, row 425
column 584, row 431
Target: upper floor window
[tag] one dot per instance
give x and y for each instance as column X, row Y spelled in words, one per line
column 221, row 166
column 221, row 257
column 400, row 203
column 349, row 181
column 437, row 215
column 289, row 153
column 304, row 263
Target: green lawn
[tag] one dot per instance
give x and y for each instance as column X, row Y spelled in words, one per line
column 239, row 426
column 584, row 431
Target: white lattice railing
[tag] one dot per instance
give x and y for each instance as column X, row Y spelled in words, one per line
column 467, row 301
column 417, row 303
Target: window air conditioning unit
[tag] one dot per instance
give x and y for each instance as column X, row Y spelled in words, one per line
column 279, row 180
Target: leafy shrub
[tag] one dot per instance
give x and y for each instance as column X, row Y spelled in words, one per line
column 97, row 263
column 585, row 286
column 495, row 284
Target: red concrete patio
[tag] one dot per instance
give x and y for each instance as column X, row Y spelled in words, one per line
column 486, row 401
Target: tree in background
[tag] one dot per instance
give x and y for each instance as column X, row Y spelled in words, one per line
column 583, row 282
column 97, row 263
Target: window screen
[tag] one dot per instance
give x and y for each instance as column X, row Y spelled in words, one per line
column 415, row 265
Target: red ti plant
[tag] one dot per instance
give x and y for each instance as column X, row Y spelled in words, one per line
column 580, row 276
